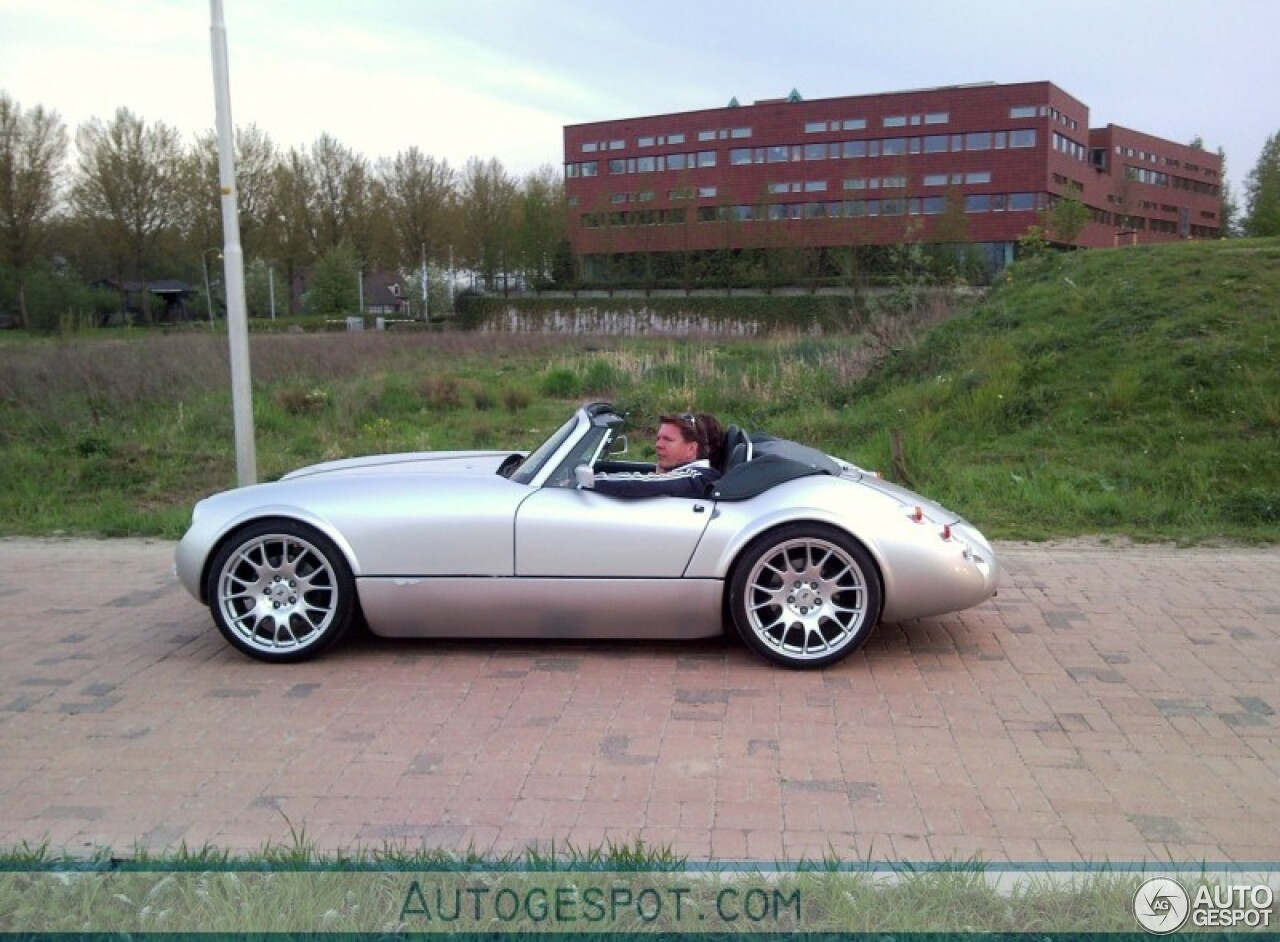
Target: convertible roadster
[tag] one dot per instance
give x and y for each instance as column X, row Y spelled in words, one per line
column 801, row 552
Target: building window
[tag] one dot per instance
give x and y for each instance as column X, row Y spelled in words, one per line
column 677, row 161
column 893, row 183
column 590, row 147
column 815, row 186
column 706, row 192
column 617, row 145
column 706, row 158
column 778, row 154
column 1021, row 201
column 935, row 179
column 853, row 149
column 740, row 132
column 977, row 203
column 675, row 139
column 896, row 121
column 646, row 164
column 933, row 205
column 1024, row 138
column 935, row 144
column 644, row 142
column 853, row 124
column 938, row 117
column 893, row 207
column 590, row 168
column 815, row 152
column 859, row 183
column 815, row 127
column 739, row 156
column 893, row 146
column 979, row 176
column 1023, row 111
column 979, row 140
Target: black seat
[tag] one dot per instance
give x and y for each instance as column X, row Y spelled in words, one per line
column 737, row 448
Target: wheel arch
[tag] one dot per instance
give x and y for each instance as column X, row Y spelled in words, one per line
column 293, row 516
column 736, row 553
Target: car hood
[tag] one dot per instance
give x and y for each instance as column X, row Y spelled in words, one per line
column 454, row 462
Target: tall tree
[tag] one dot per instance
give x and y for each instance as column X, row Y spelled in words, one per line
column 292, row 208
column 420, row 195
column 543, row 223
column 341, row 179
column 201, row 215
column 488, row 196
column 127, row 190
column 1262, row 191
column 1229, row 214
column 33, row 147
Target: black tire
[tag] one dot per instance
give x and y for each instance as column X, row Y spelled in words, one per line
column 280, row 591
column 805, row 595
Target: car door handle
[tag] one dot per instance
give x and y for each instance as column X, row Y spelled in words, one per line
column 698, row 509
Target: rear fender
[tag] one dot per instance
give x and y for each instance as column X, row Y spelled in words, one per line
column 719, row 556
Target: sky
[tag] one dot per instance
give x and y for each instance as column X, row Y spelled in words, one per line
column 501, row 78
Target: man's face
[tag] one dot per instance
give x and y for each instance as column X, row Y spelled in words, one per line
column 672, row 448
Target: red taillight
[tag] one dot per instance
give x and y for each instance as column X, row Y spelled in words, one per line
column 946, row 531
column 918, row 515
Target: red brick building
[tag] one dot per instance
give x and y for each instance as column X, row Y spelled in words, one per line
column 970, row 164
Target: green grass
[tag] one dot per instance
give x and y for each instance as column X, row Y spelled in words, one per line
column 1132, row 392
column 393, row 890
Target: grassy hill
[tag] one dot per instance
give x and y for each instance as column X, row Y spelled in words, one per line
column 1130, row 392
column 1133, row 391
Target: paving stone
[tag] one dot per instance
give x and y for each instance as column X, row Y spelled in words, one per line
column 1111, row 703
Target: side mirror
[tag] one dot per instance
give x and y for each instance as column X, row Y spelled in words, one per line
column 618, row 446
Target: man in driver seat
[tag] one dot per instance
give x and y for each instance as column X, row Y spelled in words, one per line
column 683, row 469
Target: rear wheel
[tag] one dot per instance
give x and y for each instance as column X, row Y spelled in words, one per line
column 280, row 591
column 805, row 595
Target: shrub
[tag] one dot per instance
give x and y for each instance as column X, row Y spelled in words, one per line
column 561, row 383
column 515, row 398
column 302, row 401
column 441, row 391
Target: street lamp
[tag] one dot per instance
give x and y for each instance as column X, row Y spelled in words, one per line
column 208, row 294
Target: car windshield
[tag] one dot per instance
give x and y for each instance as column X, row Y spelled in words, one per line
column 584, row 451
column 534, row 462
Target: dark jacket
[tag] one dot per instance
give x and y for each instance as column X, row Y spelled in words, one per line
column 692, row 480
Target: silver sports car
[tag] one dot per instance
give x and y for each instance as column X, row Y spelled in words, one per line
column 802, row 552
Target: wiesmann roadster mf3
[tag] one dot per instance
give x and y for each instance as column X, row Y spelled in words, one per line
column 801, row 552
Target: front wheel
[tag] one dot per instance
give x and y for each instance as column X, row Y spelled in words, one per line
column 279, row 591
column 805, row 595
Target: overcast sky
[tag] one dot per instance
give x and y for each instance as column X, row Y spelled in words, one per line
column 501, row 78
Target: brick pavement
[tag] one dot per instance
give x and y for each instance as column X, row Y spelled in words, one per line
column 1111, row 704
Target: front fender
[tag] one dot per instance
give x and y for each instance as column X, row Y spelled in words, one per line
column 209, row 530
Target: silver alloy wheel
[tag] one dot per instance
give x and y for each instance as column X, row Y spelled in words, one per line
column 278, row 594
column 806, row 599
